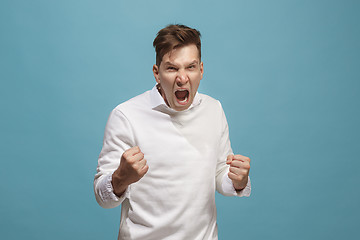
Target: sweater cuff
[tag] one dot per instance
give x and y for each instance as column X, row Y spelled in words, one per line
column 228, row 188
column 108, row 193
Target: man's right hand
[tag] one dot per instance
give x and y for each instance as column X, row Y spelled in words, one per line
column 131, row 169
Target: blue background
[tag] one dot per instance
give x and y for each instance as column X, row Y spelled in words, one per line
column 286, row 72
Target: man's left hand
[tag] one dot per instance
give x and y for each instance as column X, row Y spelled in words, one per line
column 239, row 170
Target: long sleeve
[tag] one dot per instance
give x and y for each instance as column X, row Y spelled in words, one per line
column 118, row 137
column 223, row 183
column 229, row 190
column 186, row 153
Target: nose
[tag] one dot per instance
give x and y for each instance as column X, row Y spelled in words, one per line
column 181, row 78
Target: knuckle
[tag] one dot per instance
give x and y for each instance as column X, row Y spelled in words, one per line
column 145, row 170
column 125, row 154
column 239, row 177
column 139, row 171
column 130, row 160
column 133, row 167
column 132, row 163
column 247, row 166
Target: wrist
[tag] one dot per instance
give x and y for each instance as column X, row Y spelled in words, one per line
column 118, row 185
column 239, row 185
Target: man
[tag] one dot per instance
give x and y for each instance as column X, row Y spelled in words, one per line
column 167, row 150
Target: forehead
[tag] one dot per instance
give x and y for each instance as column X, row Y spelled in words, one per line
column 188, row 53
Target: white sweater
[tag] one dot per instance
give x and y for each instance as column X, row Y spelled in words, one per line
column 186, row 152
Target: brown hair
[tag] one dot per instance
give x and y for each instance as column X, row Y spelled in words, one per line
column 174, row 36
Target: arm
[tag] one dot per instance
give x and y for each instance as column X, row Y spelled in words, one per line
column 118, row 138
column 225, row 173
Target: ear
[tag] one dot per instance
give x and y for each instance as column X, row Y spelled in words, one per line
column 156, row 73
column 202, row 69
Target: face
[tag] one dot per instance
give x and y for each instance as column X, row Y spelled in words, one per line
column 179, row 75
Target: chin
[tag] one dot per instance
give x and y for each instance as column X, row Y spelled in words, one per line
column 182, row 107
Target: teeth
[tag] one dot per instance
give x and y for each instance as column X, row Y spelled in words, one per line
column 184, row 100
column 182, row 95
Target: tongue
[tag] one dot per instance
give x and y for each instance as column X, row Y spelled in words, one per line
column 181, row 95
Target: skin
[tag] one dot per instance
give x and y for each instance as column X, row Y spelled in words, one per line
column 239, row 170
column 132, row 168
column 180, row 69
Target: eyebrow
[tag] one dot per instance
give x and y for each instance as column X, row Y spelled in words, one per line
column 168, row 63
column 193, row 62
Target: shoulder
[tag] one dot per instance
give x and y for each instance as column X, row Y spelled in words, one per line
column 139, row 102
column 210, row 101
column 213, row 105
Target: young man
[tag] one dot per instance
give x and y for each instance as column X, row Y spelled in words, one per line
column 166, row 151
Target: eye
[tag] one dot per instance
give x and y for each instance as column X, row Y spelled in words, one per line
column 192, row 66
column 170, row 68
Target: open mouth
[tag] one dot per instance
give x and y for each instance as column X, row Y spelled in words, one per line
column 182, row 95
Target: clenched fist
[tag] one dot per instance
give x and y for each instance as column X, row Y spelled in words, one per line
column 131, row 169
column 239, row 170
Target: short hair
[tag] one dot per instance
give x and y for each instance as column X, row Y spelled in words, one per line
column 174, row 36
